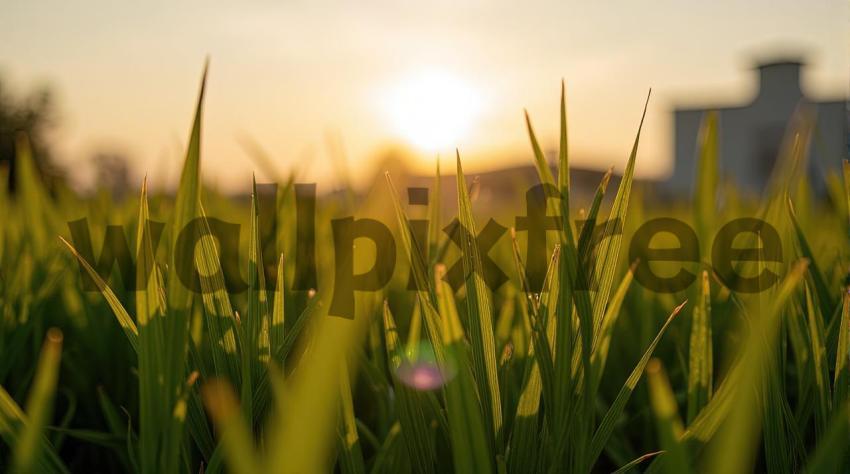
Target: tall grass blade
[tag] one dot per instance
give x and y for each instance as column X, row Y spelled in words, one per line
column 434, row 218
column 310, row 313
column 540, row 161
column 479, row 313
column 469, row 436
column 606, row 426
column 154, row 409
column 32, row 197
column 585, row 239
column 609, row 250
column 524, row 448
column 705, row 191
column 220, row 320
column 700, row 352
column 234, row 433
column 278, row 335
column 819, row 368
column 186, row 204
column 564, row 156
column 13, row 422
column 815, row 274
column 628, row 467
column 830, row 456
column 306, row 436
column 841, row 385
column 351, row 456
column 124, row 320
column 599, row 357
column 410, row 404
column 667, row 422
column 425, row 292
column 257, row 324
column 29, row 450
column 736, row 443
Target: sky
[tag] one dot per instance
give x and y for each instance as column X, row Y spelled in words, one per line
column 301, row 78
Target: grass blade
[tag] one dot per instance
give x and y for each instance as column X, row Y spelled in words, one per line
column 667, row 422
column 636, row 461
column 524, row 442
column 841, row 386
column 425, row 288
column 607, row 258
column 186, row 204
column 12, row 422
column 306, row 437
column 564, row 157
column 28, row 451
column 124, row 320
column 606, row 331
column 737, row 442
column 469, row 436
column 480, row 313
column 434, row 219
column 819, row 368
column 154, row 408
column 234, row 433
column 540, row 162
column 700, row 353
column 818, row 280
column 705, row 190
column 830, row 456
column 351, row 458
column 32, row 196
column 220, row 320
column 278, row 336
column 257, row 324
column 588, row 229
column 603, row 432
column 410, row 405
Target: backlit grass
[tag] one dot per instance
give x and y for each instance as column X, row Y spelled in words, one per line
column 165, row 379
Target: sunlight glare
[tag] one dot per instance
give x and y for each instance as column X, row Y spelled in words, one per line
column 434, row 110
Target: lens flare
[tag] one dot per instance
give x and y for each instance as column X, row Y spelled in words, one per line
column 418, row 368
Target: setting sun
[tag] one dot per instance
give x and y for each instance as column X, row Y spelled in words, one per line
column 433, row 110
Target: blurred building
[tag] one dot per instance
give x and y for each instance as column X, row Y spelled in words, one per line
column 751, row 134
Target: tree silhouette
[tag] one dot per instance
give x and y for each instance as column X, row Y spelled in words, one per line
column 33, row 115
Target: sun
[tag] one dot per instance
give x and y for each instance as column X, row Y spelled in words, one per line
column 433, row 110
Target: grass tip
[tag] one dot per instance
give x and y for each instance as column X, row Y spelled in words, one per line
column 654, row 366
column 677, row 309
column 54, row 335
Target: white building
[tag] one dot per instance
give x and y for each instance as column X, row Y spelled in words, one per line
column 751, row 134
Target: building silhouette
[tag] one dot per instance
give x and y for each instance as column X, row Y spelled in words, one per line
column 751, row 135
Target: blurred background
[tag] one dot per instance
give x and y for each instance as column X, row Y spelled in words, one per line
column 107, row 89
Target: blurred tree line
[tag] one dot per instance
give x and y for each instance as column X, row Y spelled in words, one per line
column 32, row 114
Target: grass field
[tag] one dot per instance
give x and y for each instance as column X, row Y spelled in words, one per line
column 165, row 379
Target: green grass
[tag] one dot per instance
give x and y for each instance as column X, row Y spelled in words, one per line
column 167, row 380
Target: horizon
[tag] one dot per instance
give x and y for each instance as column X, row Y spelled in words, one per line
column 277, row 79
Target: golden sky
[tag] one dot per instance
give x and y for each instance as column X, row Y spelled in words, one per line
column 429, row 75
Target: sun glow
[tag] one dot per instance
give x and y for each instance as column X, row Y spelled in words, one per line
column 433, row 110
